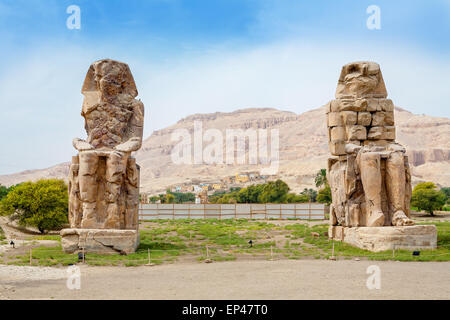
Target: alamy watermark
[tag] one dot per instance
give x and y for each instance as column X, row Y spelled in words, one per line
column 73, row 278
column 374, row 280
column 208, row 147
column 74, row 20
column 374, row 20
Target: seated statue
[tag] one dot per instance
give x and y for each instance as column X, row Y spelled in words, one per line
column 104, row 178
column 369, row 173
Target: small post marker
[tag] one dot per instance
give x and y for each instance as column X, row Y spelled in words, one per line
column 31, row 256
column 332, row 253
column 149, row 258
column 271, row 253
column 84, row 256
column 393, row 251
column 208, row 260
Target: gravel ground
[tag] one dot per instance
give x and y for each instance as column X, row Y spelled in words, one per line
column 286, row 279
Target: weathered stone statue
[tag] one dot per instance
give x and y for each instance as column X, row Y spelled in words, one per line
column 104, row 178
column 369, row 172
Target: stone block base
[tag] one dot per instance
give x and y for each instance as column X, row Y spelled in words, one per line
column 106, row 241
column 387, row 238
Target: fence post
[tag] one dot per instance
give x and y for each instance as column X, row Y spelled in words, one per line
column 309, row 209
column 271, row 254
column 393, row 251
column 31, row 256
column 149, row 259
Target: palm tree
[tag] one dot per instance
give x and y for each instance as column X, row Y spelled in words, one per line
column 321, row 178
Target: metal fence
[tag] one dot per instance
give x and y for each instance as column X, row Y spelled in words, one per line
column 313, row 211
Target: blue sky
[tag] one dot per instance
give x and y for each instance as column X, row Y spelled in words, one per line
column 202, row 56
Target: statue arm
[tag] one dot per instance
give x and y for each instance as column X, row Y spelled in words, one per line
column 81, row 145
column 352, row 148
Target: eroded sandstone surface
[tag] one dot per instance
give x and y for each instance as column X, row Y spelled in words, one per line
column 104, row 177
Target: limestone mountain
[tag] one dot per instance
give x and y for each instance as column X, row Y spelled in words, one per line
column 303, row 149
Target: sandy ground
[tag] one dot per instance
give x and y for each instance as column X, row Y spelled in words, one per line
column 286, row 279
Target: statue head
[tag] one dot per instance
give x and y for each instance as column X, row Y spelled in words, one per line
column 361, row 80
column 108, row 80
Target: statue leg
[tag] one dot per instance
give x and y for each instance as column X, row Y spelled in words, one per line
column 88, row 188
column 396, row 188
column 116, row 165
column 371, row 181
column 132, row 188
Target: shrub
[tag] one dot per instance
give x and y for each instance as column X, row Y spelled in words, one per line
column 324, row 195
column 42, row 204
column 425, row 196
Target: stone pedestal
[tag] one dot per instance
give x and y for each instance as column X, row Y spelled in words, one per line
column 387, row 238
column 99, row 240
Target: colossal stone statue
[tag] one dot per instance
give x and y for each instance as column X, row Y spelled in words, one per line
column 369, row 177
column 104, row 178
column 368, row 173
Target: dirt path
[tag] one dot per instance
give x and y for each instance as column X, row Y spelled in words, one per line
column 287, row 279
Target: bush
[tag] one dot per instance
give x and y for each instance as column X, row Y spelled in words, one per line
column 42, row 204
column 310, row 193
column 296, row 198
column 324, row 195
column 426, row 197
column 446, row 191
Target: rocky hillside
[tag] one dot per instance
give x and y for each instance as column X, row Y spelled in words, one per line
column 303, row 149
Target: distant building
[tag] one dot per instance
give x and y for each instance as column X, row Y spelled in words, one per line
column 218, row 186
column 241, row 178
column 186, row 188
column 253, row 176
column 230, row 180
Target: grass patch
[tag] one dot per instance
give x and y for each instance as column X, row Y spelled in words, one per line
column 46, row 237
column 170, row 240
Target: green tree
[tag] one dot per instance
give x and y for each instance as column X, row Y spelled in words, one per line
column 446, row 191
column 296, row 198
column 42, row 204
column 311, row 193
column 182, row 197
column 324, row 195
column 153, row 199
column 170, row 198
column 251, row 194
column 425, row 196
column 274, row 192
column 321, row 178
column 3, row 191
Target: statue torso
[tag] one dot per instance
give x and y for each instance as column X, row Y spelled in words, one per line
column 107, row 125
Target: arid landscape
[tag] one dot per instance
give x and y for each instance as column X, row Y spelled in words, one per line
column 303, row 149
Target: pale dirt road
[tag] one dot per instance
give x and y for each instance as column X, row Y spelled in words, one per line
column 286, row 279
